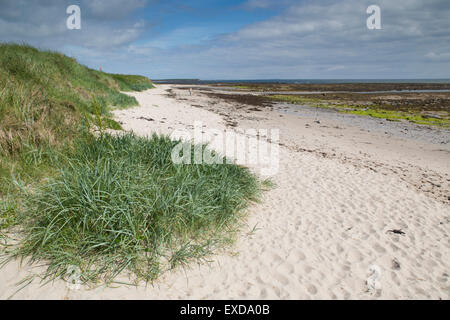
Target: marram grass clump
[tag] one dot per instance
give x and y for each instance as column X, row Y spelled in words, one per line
column 119, row 203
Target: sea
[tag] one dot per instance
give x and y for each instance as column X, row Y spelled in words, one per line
column 300, row 81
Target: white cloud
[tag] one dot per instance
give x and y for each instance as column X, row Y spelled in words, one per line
column 438, row 56
column 105, row 23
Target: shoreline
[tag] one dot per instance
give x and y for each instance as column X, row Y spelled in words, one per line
column 371, row 142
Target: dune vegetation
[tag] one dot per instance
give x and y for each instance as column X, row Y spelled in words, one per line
column 46, row 100
column 76, row 196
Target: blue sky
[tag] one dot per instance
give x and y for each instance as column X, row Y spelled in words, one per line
column 196, row 22
column 241, row 39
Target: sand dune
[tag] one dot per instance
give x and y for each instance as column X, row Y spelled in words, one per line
column 342, row 197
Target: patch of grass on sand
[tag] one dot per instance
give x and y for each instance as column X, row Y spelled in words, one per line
column 120, row 203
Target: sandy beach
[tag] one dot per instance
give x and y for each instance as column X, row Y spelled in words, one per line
column 351, row 193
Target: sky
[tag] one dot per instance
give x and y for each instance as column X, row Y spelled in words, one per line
column 241, row 39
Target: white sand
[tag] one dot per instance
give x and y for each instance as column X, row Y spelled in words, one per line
column 339, row 191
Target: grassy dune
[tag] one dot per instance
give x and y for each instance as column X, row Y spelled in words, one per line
column 46, row 100
column 98, row 202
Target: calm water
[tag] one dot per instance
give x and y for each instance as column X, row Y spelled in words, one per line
column 233, row 90
column 302, row 81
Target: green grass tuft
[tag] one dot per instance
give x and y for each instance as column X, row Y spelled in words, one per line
column 119, row 203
